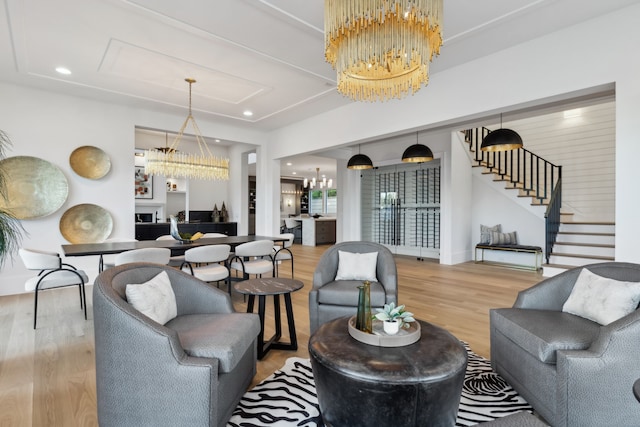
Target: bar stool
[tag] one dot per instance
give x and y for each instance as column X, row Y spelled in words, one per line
column 283, row 253
column 295, row 227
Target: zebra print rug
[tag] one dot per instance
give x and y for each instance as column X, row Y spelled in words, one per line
column 288, row 398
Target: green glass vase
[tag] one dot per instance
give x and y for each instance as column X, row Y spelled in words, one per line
column 363, row 317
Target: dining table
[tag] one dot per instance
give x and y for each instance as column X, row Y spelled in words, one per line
column 177, row 247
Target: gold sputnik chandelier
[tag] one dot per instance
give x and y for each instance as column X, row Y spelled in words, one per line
column 178, row 164
column 381, row 49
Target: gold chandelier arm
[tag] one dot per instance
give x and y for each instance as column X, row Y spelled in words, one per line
column 172, row 163
column 200, row 139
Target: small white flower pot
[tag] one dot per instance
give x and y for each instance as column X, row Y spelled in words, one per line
column 391, row 327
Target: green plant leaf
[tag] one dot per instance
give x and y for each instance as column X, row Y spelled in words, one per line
column 11, row 229
column 382, row 316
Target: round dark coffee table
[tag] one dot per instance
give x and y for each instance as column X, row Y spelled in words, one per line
column 364, row 385
column 275, row 286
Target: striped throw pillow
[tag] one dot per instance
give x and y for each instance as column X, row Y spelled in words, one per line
column 503, row 238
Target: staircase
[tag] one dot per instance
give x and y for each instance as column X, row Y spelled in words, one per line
column 568, row 243
column 519, row 169
column 581, row 243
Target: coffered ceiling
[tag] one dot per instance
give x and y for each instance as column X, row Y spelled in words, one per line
column 263, row 56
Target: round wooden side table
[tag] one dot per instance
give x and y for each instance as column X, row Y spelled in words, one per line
column 262, row 288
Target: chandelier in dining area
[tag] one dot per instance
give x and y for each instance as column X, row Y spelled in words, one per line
column 381, row 49
column 170, row 162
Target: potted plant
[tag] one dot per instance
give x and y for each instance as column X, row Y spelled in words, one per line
column 393, row 318
column 10, row 227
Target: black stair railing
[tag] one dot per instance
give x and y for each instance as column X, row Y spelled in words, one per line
column 525, row 171
column 552, row 218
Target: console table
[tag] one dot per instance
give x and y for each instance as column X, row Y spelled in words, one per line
column 364, row 385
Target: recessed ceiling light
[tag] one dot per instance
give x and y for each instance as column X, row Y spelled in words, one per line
column 289, row 164
column 248, row 113
column 217, row 140
column 63, row 70
column 294, row 173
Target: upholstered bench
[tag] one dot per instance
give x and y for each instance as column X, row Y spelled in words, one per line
column 536, row 250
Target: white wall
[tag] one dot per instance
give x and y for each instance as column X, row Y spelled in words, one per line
column 551, row 68
column 459, row 209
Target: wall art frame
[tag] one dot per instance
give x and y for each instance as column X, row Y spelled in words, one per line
column 143, row 184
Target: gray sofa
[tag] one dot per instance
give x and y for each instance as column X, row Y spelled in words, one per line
column 330, row 299
column 574, row 372
column 190, row 372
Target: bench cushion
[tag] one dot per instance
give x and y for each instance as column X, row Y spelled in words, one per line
column 510, row 247
column 543, row 332
column 225, row 337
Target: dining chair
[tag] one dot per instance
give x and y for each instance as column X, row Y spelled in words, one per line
column 176, row 260
column 155, row 255
column 293, row 226
column 53, row 274
column 208, row 263
column 253, row 258
column 211, row 235
column 109, row 260
column 283, row 253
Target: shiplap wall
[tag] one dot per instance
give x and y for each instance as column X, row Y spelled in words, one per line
column 582, row 141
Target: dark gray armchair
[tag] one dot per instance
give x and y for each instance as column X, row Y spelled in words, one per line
column 574, row 372
column 330, row 299
column 190, row 372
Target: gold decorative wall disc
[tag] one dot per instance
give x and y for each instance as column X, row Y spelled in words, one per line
column 90, row 162
column 35, row 187
column 86, row 223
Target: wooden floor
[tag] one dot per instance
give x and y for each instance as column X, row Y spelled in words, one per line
column 47, row 376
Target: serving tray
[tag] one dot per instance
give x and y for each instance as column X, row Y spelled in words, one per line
column 380, row 338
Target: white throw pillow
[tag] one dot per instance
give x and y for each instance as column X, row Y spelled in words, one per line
column 601, row 299
column 155, row 298
column 356, row 266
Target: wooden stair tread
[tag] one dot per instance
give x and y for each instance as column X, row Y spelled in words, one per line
column 600, row 257
column 563, row 266
column 588, row 245
column 588, row 223
column 585, row 233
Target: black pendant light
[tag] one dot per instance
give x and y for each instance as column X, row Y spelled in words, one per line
column 501, row 140
column 360, row 161
column 417, row 153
